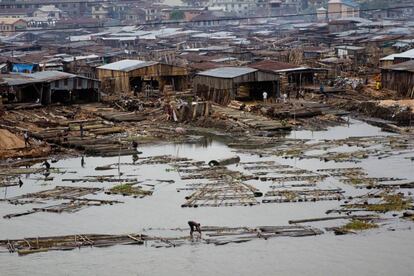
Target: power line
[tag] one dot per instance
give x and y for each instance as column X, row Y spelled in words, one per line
column 177, row 22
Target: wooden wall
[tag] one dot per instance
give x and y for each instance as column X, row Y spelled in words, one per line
column 400, row 81
column 157, row 71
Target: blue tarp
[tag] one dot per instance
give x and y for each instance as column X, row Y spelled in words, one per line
column 22, row 68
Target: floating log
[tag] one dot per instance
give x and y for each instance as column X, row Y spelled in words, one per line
column 224, row 161
column 331, row 218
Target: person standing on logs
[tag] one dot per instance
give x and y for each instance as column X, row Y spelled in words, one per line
column 20, row 182
column 194, row 226
column 81, row 130
column 26, row 139
column 265, row 97
column 47, row 165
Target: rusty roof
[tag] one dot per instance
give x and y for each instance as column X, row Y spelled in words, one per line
column 272, row 65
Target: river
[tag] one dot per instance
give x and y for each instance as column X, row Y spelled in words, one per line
column 388, row 250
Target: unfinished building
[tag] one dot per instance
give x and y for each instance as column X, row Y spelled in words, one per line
column 141, row 76
column 224, row 84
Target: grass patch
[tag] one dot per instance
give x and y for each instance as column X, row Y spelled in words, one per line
column 389, row 203
column 358, row 225
column 129, row 189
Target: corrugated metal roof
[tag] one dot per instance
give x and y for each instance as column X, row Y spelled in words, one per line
column 38, row 77
column 272, row 65
column 50, row 75
column 404, row 66
column 227, row 72
column 348, row 47
column 127, row 65
column 406, row 54
column 224, row 59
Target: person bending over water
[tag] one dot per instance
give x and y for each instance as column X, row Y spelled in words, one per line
column 194, row 226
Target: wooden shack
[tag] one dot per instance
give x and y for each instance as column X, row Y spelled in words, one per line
column 51, row 87
column 289, row 73
column 127, row 75
column 399, row 77
column 224, row 84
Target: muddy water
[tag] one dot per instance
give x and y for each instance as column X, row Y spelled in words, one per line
column 376, row 252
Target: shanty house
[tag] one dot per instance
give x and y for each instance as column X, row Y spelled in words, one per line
column 224, row 84
column 136, row 75
column 399, row 77
column 51, row 86
column 397, row 58
column 354, row 53
column 290, row 74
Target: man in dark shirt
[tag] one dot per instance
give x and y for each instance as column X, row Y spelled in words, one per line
column 47, row 165
column 81, row 130
column 194, row 226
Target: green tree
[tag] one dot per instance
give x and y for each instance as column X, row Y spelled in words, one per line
column 177, row 15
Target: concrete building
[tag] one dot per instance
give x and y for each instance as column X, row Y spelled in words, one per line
column 73, row 8
column 101, row 11
column 322, row 14
column 49, row 11
column 342, row 9
column 240, row 7
column 8, row 25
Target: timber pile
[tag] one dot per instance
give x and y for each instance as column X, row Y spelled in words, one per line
column 216, row 236
column 72, row 198
column 6, row 171
column 248, row 120
column 224, row 187
column 119, row 116
column 223, row 193
column 61, row 126
column 22, row 106
column 280, row 196
column 96, row 138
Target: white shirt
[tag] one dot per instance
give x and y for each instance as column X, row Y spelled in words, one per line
column 264, row 95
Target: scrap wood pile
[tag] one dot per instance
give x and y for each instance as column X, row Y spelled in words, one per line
column 70, row 200
column 187, row 111
column 246, row 120
column 215, row 235
column 61, row 125
column 175, row 106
